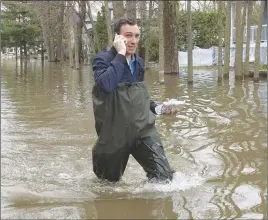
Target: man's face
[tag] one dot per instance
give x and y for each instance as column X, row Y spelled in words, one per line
column 132, row 35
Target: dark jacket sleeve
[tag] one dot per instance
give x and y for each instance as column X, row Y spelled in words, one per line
column 152, row 106
column 108, row 75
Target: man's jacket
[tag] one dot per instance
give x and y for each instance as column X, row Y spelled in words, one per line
column 111, row 68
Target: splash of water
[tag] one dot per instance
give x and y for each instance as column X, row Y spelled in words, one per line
column 180, row 182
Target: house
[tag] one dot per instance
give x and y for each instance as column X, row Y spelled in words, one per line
column 253, row 29
column 253, row 35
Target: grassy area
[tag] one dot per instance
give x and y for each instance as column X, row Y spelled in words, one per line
column 251, row 66
column 263, row 67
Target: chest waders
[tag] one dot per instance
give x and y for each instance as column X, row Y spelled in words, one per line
column 125, row 125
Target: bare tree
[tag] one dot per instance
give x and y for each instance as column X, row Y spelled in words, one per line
column 78, row 23
column 220, row 35
column 190, row 43
column 81, row 15
column 170, row 40
column 82, row 9
column 227, row 36
column 118, row 9
column 47, row 11
column 161, row 41
column 131, row 9
column 141, row 9
column 243, row 34
column 249, row 18
column 206, row 5
column 148, row 35
column 69, row 21
column 79, row 20
column 95, row 33
column 76, row 41
column 238, row 39
column 108, row 23
column 258, row 43
column 60, row 31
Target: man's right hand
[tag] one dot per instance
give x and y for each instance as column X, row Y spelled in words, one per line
column 120, row 44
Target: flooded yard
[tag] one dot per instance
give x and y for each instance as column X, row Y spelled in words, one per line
column 217, row 145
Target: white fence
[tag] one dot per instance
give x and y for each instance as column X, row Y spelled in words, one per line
column 201, row 57
column 209, row 57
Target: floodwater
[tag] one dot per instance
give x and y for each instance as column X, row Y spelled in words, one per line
column 217, row 144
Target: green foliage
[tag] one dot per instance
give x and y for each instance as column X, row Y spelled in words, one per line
column 205, row 32
column 204, row 26
column 154, row 48
column 19, row 24
column 263, row 67
column 92, row 55
column 101, row 28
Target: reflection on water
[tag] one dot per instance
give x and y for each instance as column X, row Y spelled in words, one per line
column 216, row 144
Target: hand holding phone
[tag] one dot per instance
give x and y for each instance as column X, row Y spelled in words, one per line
column 120, row 44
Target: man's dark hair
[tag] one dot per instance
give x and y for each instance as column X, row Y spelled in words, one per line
column 122, row 21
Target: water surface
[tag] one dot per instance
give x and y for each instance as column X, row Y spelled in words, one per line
column 217, row 144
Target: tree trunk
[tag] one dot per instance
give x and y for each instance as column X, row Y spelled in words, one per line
column 178, row 18
column 52, row 48
column 170, row 40
column 76, row 46
column 16, row 53
column 215, row 5
column 25, row 49
column 190, row 43
column 243, row 34
column 108, row 24
column 258, row 44
column 50, row 34
column 75, row 23
column 69, row 36
column 60, row 32
column 249, row 16
column 227, row 36
column 118, row 9
column 238, row 39
column 141, row 7
column 161, row 41
column 131, row 9
column 46, row 37
column 42, row 52
column 81, row 22
column 148, row 34
column 82, row 15
column 21, row 55
column 47, row 12
column 220, row 35
column 96, row 37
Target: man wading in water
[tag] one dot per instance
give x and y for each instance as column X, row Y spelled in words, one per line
column 124, row 113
